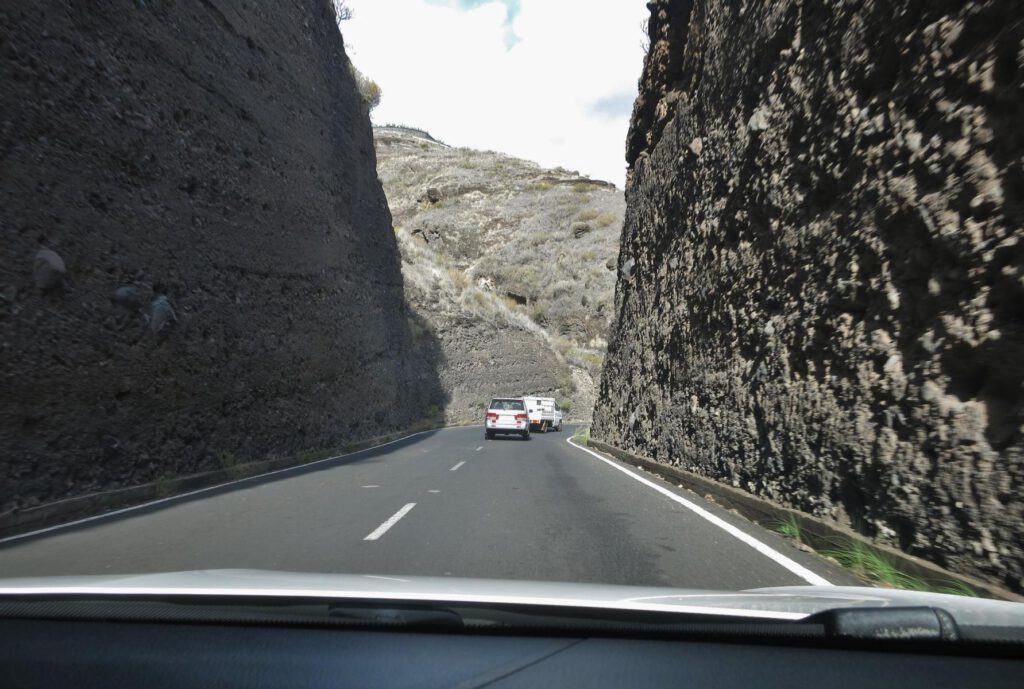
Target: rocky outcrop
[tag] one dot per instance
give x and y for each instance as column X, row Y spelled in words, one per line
column 507, row 264
column 197, row 266
column 820, row 292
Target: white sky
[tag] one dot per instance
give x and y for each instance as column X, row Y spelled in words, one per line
column 547, row 80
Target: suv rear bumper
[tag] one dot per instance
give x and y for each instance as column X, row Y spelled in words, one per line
column 504, row 428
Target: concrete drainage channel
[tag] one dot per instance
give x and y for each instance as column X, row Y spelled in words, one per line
column 819, row 534
column 22, row 523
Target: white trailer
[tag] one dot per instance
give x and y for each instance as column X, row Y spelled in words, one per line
column 544, row 413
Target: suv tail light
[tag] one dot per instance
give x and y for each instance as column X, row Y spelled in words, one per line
column 521, row 417
column 492, row 415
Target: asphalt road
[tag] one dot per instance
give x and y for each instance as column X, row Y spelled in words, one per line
column 441, row 503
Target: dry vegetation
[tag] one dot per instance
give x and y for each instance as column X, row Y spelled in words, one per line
column 508, row 242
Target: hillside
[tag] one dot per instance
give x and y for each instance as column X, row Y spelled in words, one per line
column 509, row 264
column 820, row 280
column 198, row 268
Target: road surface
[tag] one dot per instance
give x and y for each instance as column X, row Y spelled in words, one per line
column 444, row 502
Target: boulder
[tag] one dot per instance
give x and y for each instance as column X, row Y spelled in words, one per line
column 48, row 270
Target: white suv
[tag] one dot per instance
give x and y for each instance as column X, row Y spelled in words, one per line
column 507, row 415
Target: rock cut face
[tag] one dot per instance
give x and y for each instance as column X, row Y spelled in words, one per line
column 820, row 291
column 197, row 266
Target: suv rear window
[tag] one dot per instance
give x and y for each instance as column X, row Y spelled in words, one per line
column 507, row 405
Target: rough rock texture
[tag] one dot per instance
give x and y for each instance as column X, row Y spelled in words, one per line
column 511, row 265
column 820, row 294
column 197, row 266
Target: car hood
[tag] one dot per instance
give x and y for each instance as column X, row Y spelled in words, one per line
column 785, row 602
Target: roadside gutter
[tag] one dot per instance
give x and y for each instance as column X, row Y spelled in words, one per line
column 18, row 522
column 816, row 532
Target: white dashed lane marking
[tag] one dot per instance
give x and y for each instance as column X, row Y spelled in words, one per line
column 394, row 519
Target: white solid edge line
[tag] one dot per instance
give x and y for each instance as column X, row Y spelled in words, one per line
column 455, row 468
column 123, row 510
column 769, row 552
column 392, row 520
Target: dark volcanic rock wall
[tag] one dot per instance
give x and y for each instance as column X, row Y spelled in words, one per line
column 205, row 173
column 820, row 294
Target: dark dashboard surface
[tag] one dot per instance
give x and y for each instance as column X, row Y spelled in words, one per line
column 53, row 653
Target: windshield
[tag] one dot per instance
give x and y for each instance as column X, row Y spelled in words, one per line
column 752, row 272
column 507, row 405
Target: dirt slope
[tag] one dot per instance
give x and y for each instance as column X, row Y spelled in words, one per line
column 510, row 264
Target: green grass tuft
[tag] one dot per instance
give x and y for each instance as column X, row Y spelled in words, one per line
column 164, row 486
column 582, row 436
column 789, row 527
column 956, row 588
column 876, row 566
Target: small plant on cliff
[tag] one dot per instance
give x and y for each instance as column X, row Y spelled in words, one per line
column 368, row 89
column 342, row 12
column 164, row 486
column 459, row 278
column 231, row 464
column 479, row 301
column 566, row 383
column 538, row 311
column 227, row 459
column 538, row 238
column 563, row 346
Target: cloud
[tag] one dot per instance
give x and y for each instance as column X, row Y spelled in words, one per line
column 511, row 10
column 556, row 94
column 614, row 106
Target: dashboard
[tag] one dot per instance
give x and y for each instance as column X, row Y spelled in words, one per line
column 93, row 653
